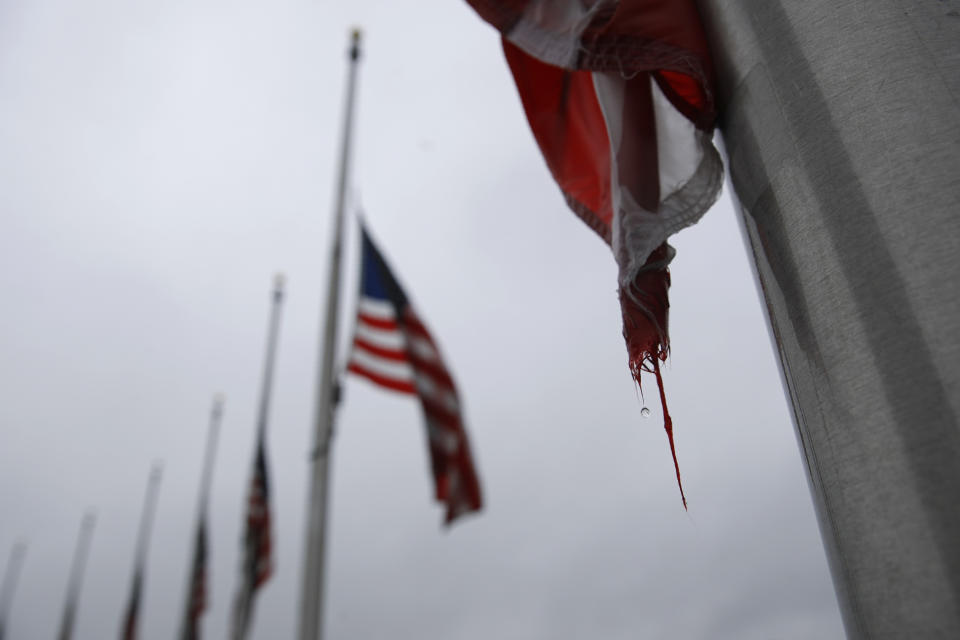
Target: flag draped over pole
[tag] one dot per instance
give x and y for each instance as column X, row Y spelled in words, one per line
column 130, row 622
column 256, row 564
column 196, row 599
column 843, row 151
column 393, row 348
column 619, row 96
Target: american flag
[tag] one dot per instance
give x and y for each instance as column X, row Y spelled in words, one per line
column 257, row 549
column 393, row 349
column 198, row 586
column 619, row 95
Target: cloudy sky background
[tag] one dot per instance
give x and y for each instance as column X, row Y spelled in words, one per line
column 160, row 162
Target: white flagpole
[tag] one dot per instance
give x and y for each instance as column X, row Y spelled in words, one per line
column 76, row 575
column 311, row 604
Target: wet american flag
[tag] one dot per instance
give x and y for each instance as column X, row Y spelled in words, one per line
column 393, row 349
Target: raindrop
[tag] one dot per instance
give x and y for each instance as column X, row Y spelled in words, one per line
column 645, row 412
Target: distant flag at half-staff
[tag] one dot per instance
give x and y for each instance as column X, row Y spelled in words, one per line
column 393, row 349
column 131, row 618
column 196, row 598
column 256, row 565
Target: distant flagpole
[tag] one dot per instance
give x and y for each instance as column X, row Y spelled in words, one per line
column 256, row 565
column 129, row 629
column 197, row 572
column 10, row 577
column 311, row 604
column 76, row 575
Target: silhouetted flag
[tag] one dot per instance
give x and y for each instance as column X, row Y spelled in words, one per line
column 393, row 349
column 133, row 608
column 196, row 600
column 257, row 550
column 619, row 96
column 128, row 631
column 198, row 585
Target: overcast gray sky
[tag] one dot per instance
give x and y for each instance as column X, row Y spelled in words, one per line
column 159, row 162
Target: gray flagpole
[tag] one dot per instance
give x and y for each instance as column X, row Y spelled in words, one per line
column 135, row 604
column 842, row 129
column 273, row 335
column 216, row 414
column 10, row 578
column 213, row 431
column 146, row 518
column 76, row 575
column 311, row 603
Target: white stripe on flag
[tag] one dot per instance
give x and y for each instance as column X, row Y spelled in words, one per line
column 377, row 307
column 441, row 394
column 424, row 349
column 399, row 371
column 385, row 338
column 678, row 152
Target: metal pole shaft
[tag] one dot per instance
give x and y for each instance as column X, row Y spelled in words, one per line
column 146, row 518
column 311, row 605
column 76, row 575
column 213, row 431
column 9, row 587
column 841, row 124
column 268, row 362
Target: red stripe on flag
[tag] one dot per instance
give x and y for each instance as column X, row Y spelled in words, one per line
column 568, row 125
column 440, row 414
column 412, row 325
column 379, row 323
column 403, row 386
column 395, row 355
column 437, row 372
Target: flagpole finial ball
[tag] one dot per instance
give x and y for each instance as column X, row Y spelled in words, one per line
column 218, row 398
column 355, row 34
column 279, row 280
